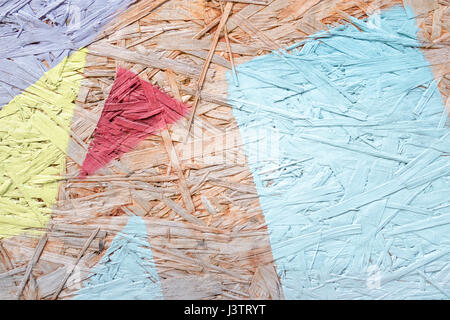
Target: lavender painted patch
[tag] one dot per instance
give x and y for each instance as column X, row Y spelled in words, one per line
column 356, row 189
column 36, row 35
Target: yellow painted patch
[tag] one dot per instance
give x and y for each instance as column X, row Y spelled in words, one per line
column 34, row 135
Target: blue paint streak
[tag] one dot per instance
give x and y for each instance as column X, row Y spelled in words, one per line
column 26, row 40
column 127, row 270
column 355, row 191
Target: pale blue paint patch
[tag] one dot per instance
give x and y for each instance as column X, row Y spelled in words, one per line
column 32, row 31
column 127, row 270
column 356, row 189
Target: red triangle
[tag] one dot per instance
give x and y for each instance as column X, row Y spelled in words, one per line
column 134, row 110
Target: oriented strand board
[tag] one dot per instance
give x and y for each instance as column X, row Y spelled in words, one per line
column 223, row 244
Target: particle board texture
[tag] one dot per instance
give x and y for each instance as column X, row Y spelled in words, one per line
column 179, row 208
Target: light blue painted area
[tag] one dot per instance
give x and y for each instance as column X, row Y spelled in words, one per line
column 127, row 270
column 347, row 143
column 32, row 31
